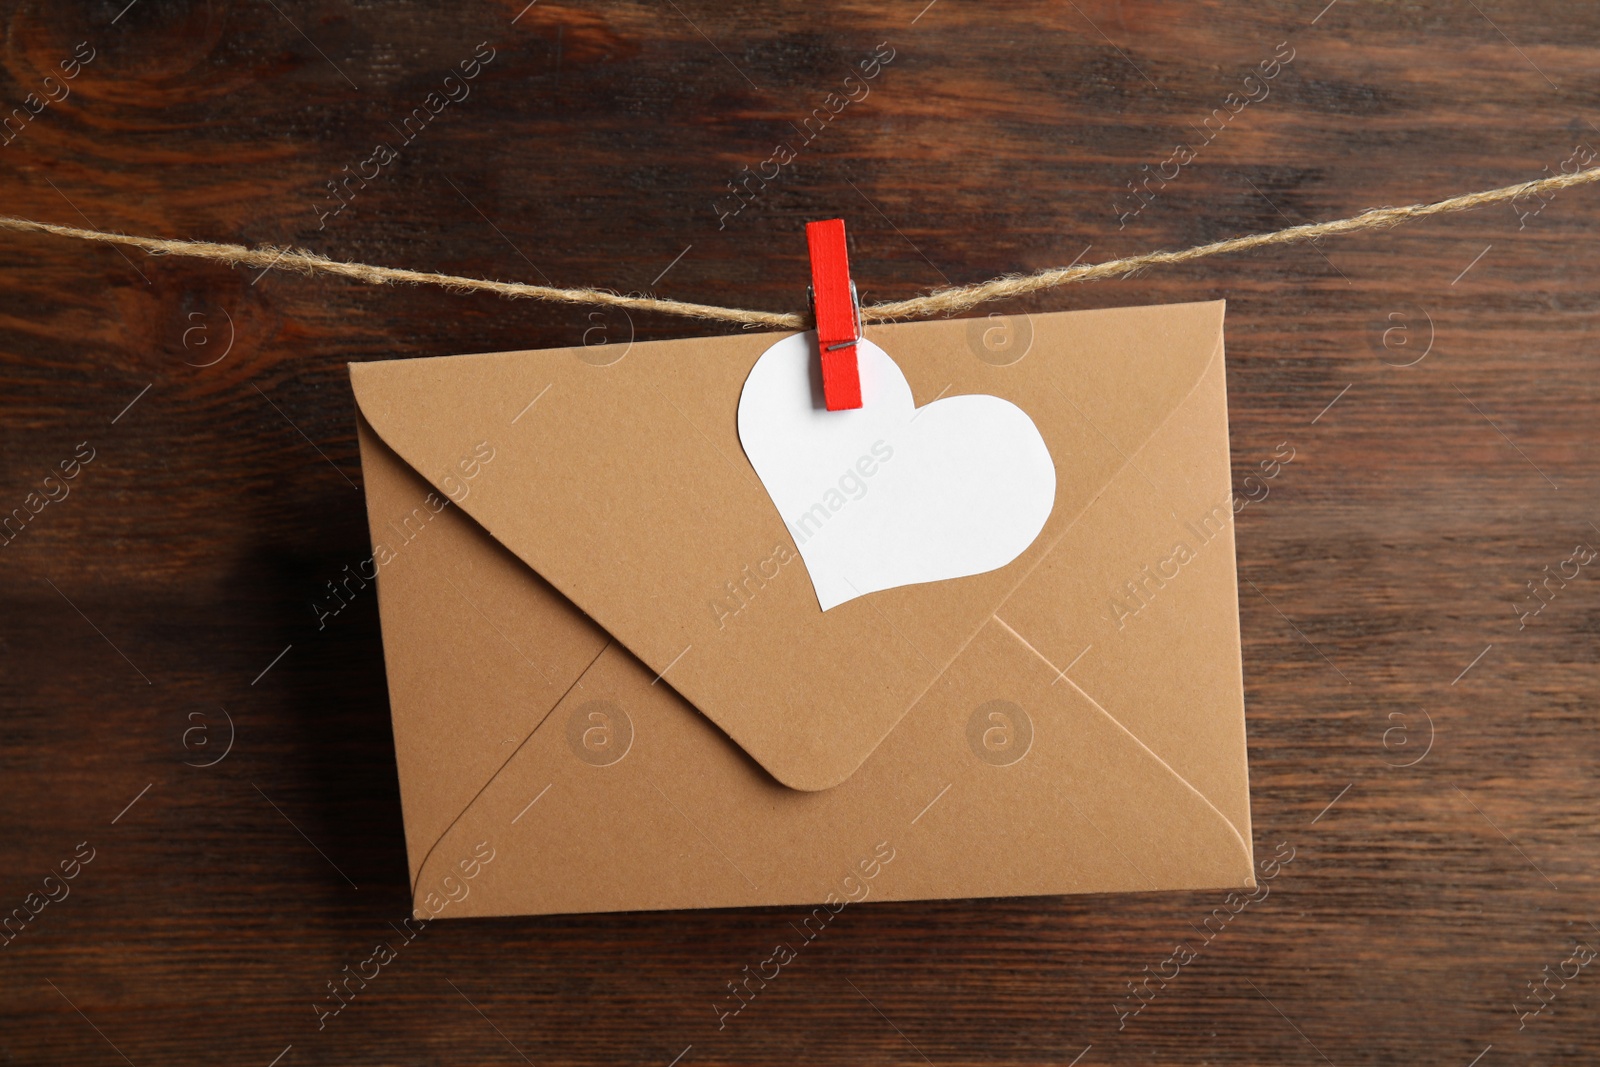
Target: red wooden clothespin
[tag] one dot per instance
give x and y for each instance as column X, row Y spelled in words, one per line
column 837, row 312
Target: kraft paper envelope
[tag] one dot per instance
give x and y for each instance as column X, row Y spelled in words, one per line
column 613, row 687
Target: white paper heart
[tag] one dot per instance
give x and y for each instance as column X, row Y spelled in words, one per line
column 891, row 494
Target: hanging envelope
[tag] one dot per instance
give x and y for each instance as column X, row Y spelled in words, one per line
column 614, row 688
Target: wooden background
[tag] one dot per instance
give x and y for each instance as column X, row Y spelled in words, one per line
column 1389, row 557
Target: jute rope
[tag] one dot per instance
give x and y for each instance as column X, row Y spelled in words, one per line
column 938, row 302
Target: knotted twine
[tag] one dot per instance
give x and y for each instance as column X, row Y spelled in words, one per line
column 937, row 302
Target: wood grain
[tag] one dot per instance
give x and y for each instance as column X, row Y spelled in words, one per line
column 1382, row 567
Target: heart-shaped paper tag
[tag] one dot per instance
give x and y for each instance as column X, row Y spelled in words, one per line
column 890, row 494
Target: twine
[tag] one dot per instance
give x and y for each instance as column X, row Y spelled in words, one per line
column 937, row 302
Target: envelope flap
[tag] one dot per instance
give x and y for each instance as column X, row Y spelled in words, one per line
column 623, row 484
